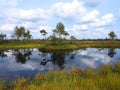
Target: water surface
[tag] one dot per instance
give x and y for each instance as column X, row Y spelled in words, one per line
column 28, row 62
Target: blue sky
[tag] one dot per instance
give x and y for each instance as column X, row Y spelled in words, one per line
column 82, row 18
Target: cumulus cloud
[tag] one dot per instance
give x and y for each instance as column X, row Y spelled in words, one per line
column 69, row 10
column 74, row 12
column 90, row 16
column 28, row 15
column 7, row 27
column 80, row 27
column 31, row 18
column 106, row 20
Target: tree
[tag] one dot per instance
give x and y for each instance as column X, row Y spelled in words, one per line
column 53, row 37
column 43, row 32
column 54, row 32
column 2, row 36
column 112, row 35
column 27, row 35
column 60, row 29
column 72, row 38
column 66, row 34
column 19, row 32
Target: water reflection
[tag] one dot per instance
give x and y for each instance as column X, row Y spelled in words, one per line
column 22, row 55
column 44, row 59
column 2, row 54
column 56, row 58
column 30, row 61
column 111, row 52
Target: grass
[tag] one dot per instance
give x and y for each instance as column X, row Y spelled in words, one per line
column 2, row 86
column 106, row 78
column 65, row 46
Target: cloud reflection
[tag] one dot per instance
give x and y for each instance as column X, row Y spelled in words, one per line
column 81, row 58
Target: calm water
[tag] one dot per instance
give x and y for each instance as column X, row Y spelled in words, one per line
column 24, row 63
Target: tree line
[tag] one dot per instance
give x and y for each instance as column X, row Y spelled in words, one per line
column 58, row 34
column 21, row 33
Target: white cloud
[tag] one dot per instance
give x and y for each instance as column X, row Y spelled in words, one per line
column 7, row 27
column 47, row 28
column 106, row 20
column 75, row 13
column 34, row 14
column 80, row 27
column 90, row 16
column 69, row 10
column 31, row 18
column 31, row 14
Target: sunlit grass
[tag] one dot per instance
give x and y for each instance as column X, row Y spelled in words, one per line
column 65, row 46
column 106, row 78
column 2, row 86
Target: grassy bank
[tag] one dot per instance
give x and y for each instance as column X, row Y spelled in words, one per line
column 106, row 78
column 65, row 46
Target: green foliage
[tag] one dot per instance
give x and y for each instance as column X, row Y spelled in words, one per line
column 112, row 35
column 117, row 67
column 2, row 86
column 72, row 38
column 76, row 80
column 66, row 45
column 21, row 33
column 27, row 35
column 58, row 32
column 2, row 36
column 107, row 69
column 43, row 32
column 60, row 29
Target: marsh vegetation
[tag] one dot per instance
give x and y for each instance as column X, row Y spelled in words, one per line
column 58, row 62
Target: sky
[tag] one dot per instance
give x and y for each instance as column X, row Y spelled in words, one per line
column 84, row 19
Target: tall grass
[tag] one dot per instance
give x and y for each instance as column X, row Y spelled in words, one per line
column 106, row 78
column 2, row 86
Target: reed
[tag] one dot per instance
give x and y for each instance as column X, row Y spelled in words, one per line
column 106, row 78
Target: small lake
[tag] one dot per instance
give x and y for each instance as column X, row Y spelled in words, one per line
column 28, row 62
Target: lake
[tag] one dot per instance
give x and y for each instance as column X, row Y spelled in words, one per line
column 28, row 62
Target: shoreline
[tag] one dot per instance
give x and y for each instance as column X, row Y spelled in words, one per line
column 106, row 78
column 65, row 46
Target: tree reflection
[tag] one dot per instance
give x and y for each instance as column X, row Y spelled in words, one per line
column 22, row 55
column 2, row 53
column 55, row 57
column 111, row 52
column 73, row 54
column 44, row 59
column 58, row 58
